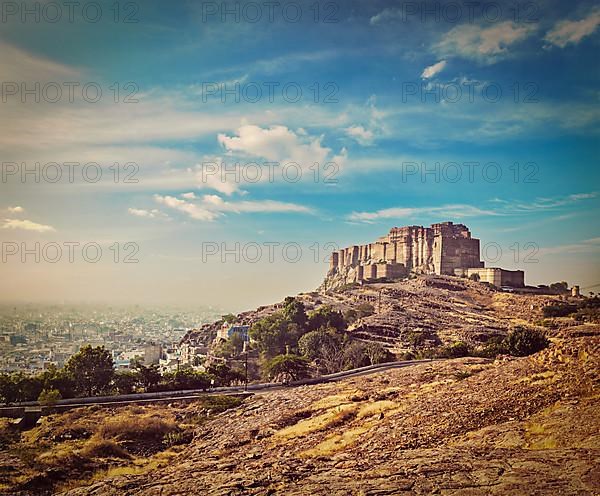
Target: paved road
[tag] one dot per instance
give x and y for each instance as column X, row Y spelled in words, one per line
column 167, row 396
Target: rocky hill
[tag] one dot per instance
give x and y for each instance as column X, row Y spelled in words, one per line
column 428, row 309
column 467, row 426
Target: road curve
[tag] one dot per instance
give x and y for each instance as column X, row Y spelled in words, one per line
column 165, row 396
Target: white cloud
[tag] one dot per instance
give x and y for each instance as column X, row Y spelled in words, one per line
column 566, row 32
column 386, row 15
column 540, row 204
column 15, row 210
column 24, row 66
column 210, row 207
column 189, row 196
column 360, row 134
column 140, row 212
column 586, row 246
column 485, row 44
column 501, row 208
column 434, row 69
column 277, row 144
column 25, row 225
column 445, row 211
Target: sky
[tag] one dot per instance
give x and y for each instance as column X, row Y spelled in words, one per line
column 217, row 152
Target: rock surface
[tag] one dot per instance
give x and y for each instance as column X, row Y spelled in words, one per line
column 466, row 426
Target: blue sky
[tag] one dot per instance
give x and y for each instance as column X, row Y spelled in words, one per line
column 386, row 112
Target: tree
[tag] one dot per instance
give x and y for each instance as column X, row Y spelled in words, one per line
column 561, row 287
column 60, row 379
column 355, row 355
column 185, row 378
column 522, row 341
column 229, row 318
column 49, row 397
column 376, row 353
column 9, row 391
column 295, row 312
column 224, row 375
column 273, row 333
column 148, row 376
column 91, row 369
column 474, row 277
column 325, row 346
column 126, row 381
column 287, row 367
column 457, row 349
column 325, row 316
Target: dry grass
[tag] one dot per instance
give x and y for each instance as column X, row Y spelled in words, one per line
column 97, row 447
column 135, row 428
column 332, row 417
column 337, row 442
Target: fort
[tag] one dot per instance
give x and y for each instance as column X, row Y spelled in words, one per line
column 444, row 248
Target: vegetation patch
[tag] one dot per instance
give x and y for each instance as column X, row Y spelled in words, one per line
column 337, row 442
column 330, row 418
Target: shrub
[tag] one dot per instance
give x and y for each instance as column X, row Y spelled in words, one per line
column 133, row 428
column 287, row 367
column 49, row 397
column 522, row 341
column 457, row 349
column 558, row 310
column 96, row 447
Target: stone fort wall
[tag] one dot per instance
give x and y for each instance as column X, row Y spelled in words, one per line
column 439, row 249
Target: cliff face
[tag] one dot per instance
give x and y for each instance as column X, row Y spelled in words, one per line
column 439, row 249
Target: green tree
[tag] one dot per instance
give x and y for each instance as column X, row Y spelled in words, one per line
column 295, row 312
column 91, row 369
column 376, row 353
column 457, row 349
column 325, row 316
column 229, row 318
column 60, row 379
column 185, row 378
column 274, row 333
column 225, row 375
column 355, row 355
column 149, row 376
column 126, row 381
column 49, row 397
column 523, row 341
column 325, row 346
column 287, row 368
column 9, row 391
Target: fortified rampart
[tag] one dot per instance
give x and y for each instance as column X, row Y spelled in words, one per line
column 440, row 249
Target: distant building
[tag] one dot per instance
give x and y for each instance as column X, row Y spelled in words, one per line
column 227, row 330
column 152, row 353
column 495, row 276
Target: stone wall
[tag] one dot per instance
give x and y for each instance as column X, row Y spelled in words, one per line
column 439, row 249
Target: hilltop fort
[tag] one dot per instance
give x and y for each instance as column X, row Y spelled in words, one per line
column 444, row 249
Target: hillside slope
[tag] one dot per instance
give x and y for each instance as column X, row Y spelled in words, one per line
column 465, row 426
column 435, row 309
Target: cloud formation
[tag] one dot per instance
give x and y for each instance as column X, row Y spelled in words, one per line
column 434, row 69
column 483, row 44
column 25, row 225
column 572, row 32
column 210, row 207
